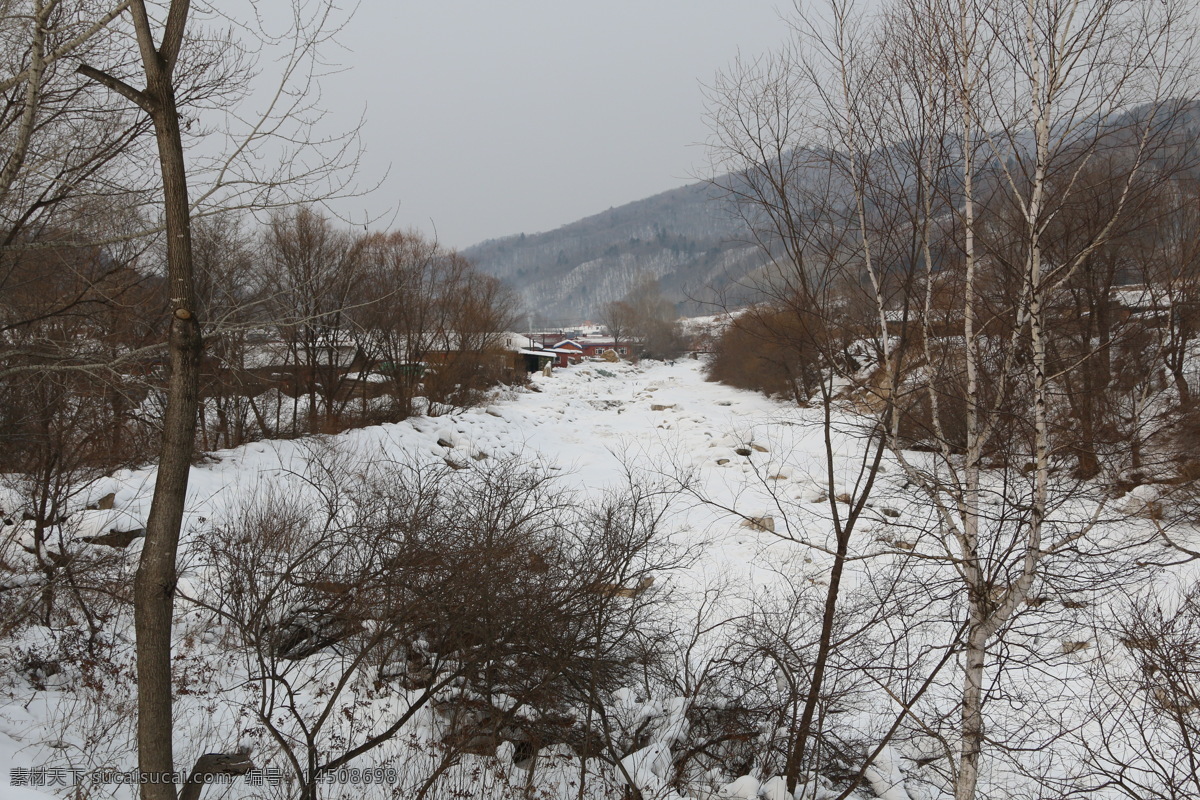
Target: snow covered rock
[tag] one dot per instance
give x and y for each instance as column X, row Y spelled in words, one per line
column 744, row 788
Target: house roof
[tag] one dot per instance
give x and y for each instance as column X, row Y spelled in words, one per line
column 515, row 341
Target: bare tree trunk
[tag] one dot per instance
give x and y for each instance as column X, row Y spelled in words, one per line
column 972, row 710
column 795, row 759
column 154, row 586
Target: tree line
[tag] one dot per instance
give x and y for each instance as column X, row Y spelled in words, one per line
column 309, row 328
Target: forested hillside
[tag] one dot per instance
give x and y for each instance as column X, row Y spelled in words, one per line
column 687, row 238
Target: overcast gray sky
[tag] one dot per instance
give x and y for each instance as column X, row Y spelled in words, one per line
column 516, row 117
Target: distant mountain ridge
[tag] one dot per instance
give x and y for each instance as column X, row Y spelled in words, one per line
column 688, row 238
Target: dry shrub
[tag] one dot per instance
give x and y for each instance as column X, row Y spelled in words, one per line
column 769, row 350
column 473, row 592
column 462, row 379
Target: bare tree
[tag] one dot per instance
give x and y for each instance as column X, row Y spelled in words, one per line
column 403, row 277
column 155, row 586
column 430, row 322
column 167, row 70
column 231, row 291
column 1027, row 98
column 314, row 280
column 647, row 319
column 925, row 167
column 1140, row 740
column 1166, row 262
column 68, row 144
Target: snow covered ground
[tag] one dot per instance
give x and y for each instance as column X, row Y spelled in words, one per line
column 753, row 486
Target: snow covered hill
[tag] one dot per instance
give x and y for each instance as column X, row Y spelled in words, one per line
column 689, row 239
